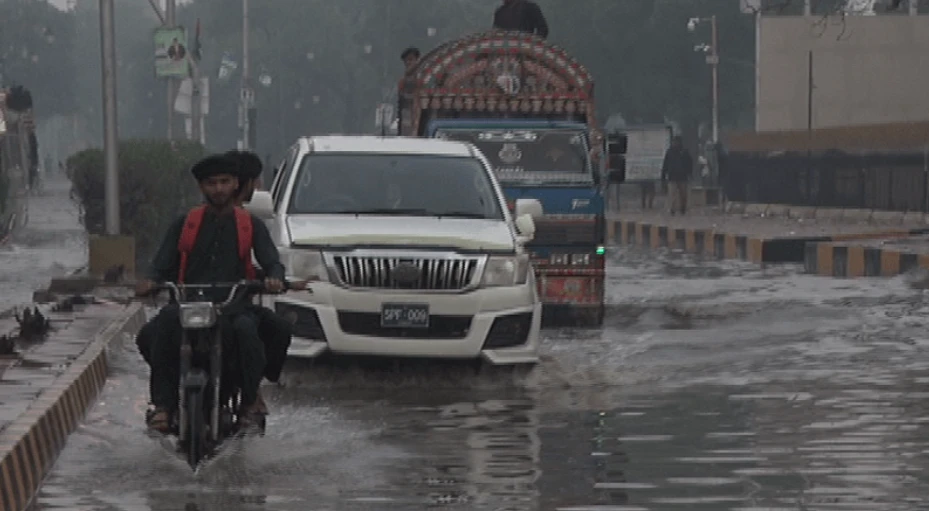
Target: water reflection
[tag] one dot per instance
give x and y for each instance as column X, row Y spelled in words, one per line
column 814, row 446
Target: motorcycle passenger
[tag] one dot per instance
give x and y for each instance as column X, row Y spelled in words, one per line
column 275, row 331
column 213, row 257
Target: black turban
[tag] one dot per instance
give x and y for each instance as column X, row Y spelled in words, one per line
column 249, row 164
column 215, row 165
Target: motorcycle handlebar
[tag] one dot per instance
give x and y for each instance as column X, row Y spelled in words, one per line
column 250, row 286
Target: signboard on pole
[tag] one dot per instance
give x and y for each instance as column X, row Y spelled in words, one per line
column 171, row 52
column 182, row 103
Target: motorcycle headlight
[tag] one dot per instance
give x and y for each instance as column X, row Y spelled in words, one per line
column 506, row 271
column 197, row 315
column 305, row 264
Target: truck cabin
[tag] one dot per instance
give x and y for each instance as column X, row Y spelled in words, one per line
column 523, row 151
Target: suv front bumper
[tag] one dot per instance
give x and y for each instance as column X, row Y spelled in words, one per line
column 500, row 324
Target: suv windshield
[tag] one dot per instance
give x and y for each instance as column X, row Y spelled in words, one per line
column 516, row 151
column 394, row 184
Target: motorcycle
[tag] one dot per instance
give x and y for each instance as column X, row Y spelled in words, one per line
column 208, row 398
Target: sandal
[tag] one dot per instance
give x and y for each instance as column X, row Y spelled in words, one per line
column 159, row 420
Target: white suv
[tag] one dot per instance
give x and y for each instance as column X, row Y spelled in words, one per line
column 413, row 248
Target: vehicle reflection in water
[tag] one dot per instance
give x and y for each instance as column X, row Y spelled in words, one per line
column 829, row 446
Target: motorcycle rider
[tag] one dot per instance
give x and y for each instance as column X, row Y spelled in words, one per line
column 275, row 331
column 214, row 257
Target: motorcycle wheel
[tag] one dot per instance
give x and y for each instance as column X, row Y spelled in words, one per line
column 196, row 428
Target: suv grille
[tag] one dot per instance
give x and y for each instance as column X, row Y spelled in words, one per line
column 415, row 273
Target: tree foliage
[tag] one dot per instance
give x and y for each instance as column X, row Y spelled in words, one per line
column 155, row 186
column 36, row 43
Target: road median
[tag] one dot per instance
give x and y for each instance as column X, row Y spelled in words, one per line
column 753, row 237
column 887, row 257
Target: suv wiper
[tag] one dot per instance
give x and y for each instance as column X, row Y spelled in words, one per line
column 383, row 211
column 460, row 214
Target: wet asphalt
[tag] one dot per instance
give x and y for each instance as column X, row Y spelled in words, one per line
column 713, row 386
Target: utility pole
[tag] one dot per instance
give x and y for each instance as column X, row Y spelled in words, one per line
column 170, row 22
column 110, row 133
column 714, row 62
column 196, row 113
column 246, row 95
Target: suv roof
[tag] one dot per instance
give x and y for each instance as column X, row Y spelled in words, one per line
column 385, row 145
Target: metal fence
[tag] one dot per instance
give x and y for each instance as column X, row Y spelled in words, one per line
column 893, row 182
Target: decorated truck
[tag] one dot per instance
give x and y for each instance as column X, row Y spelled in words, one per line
column 529, row 107
column 18, row 157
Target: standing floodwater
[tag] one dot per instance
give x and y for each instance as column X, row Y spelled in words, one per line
column 52, row 243
column 714, row 387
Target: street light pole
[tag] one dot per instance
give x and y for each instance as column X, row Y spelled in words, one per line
column 714, row 62
column 170, row 10
column 110, row 135
column 246, row 93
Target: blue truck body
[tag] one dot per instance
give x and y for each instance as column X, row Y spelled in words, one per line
column 568, row 250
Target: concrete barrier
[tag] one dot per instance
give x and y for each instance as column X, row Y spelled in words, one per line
column 723, row 245
column 710, row 243
column 30, row 445
column 849, row 260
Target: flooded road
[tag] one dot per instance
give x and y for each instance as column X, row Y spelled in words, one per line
column 51, row 244
column 714, row 386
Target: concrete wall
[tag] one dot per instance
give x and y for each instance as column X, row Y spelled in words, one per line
column 866, row 69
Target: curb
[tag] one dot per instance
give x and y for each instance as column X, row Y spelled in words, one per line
column 711, row 243
column 794, row 211
column 722, row 245
column 30, row 445
column 849, row 261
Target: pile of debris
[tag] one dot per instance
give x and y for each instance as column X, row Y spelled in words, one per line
column 33, row 326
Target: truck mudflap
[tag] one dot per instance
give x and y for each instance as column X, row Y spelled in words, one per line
column 571, row 297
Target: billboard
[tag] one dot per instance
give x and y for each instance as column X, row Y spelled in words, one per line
column 645, row 151
column 171, row 52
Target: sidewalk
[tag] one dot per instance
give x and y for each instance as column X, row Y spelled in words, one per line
column 44, row 395
column 757, row 233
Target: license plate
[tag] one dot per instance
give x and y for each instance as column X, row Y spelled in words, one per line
column 404, row 315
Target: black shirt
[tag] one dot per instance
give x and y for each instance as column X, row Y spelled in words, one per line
column 677, row 166
column 215, row 255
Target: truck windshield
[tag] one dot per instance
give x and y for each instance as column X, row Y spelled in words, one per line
column 512, row 151
column 394, row 184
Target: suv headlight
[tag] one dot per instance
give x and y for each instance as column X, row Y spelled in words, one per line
column 198, row 315
column 304, row 264
column 506, row 271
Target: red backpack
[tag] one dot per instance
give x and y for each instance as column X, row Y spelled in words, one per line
column 243, row 225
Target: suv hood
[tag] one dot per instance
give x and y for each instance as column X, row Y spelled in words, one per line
column 458, row 233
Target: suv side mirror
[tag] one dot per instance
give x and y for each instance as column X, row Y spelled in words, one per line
column 261, row 205
column 531, row 207
column 617, row 143
column 526, row 227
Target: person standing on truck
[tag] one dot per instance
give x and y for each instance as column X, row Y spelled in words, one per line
column 410, row 58
column 522, row 16
column 676, row 169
